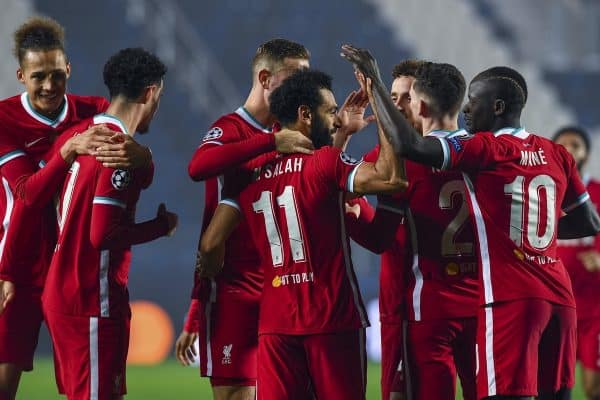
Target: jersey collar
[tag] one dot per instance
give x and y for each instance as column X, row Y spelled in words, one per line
column 246, row 116
column 521, row 133
column 110, row 119
column 39, row 117
column 448, row 134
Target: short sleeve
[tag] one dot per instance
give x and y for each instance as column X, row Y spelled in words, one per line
column 337, row 168
column 233, row 186
column 576, row 193
column 113, row 187
column 9, row 148
column 372, row 155
column 469, row 152
column 221, row 132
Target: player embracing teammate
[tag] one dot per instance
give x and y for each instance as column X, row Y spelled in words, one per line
column 519, row 185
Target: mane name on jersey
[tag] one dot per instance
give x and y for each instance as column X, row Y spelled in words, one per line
column 533, row 158
column 287, row 166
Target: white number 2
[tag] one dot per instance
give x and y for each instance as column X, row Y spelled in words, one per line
column 287, row 200
column 452, row 193
column 520, row 204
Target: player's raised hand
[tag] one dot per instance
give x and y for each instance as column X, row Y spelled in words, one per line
column 7, row 293
column 184, row 347
column 352, row 112
column 170, row 218
column 123, row 152
column 362, row 60
column 288, row 142
column 590, row 260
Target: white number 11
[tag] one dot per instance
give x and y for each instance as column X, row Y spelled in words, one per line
column 287, row 200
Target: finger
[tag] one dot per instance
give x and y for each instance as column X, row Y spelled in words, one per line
column 116, row 165
column 370, row 118
column 8, row 298
column 302, row 150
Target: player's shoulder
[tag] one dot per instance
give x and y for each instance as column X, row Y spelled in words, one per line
column 334, row 153
column 9, row 105
column 592, row 184
column 73, row 130
column 86, row 106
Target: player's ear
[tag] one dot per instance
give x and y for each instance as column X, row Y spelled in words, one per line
column 499, row 107
column 20, row 75
column 148, row 94
column 264, row 77
column 68, row 68
column 423, row 109
column 304, row 115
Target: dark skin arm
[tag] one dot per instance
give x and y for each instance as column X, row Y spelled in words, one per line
column 581, row 222
column 405, row 140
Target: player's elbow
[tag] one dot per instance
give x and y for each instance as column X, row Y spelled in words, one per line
column 397, row 184
column 195, row 171
column 97, row 241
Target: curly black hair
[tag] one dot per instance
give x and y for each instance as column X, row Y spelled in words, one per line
column 406, row 68
column 299, row 89
column 131, row 70
column 510, row 86
column 38, row 34
column 587, row 142
column 443, row 84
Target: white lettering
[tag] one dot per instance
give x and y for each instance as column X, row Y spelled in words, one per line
column 533, row 158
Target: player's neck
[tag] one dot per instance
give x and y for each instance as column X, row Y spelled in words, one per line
column 442, row 124
column 130, row 114
column 257, row 107
column 508, row 122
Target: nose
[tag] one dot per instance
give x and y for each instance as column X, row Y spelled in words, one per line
column 398, row 104
column 48, row 84
column 337, row 122
column 466, row 109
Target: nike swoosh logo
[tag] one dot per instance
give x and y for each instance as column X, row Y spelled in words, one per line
column 34, row 142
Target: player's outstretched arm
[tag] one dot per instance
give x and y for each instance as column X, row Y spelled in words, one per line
column 109, row 232
column 212, row 244
column 406, row 142
column 580, row 222
column 213, row 159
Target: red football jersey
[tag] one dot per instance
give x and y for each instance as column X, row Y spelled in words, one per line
column 519, row 184
column 295, row 211
column 585, row 283
column 29, row 233
column 395, row 258
column 241, row 275
column 442, row 282
column 84, row 279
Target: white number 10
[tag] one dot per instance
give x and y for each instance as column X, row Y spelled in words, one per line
column 287, row 200
column 516, row 190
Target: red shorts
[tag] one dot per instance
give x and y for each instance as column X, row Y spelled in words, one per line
column 89, row 355
column 332, row 366
column 525, row 346
column 588, row 343
column 228, row 341
column 438, row 350
column 392, row 379
column 20, row 327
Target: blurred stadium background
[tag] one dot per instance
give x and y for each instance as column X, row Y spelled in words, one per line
column 208, row 46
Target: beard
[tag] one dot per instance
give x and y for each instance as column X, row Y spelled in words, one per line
column 319, row 134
